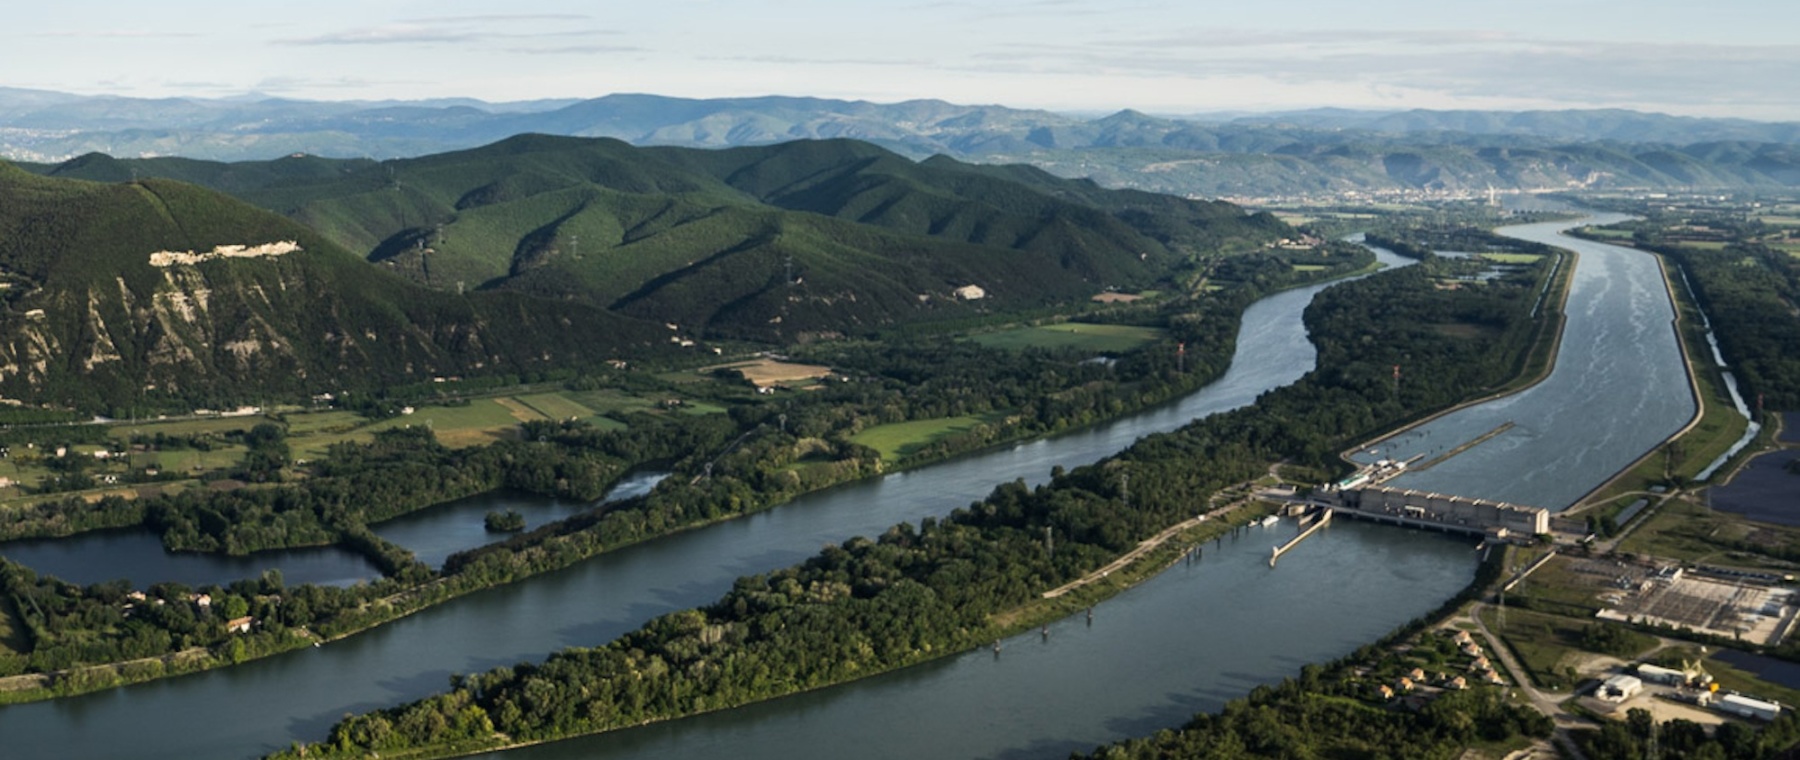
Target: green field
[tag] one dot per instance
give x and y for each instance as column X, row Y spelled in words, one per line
column 185, row 428
column 555, row 406
column 315, row 423
column 690, row 406
column 1310, row 267
column 899, row 440
column 1606, row 232
column 190, row 460
column 481, row 421
column 1513, row 258
column 1075, row 335
column 1545, row 644
column 1682, row 530
column 611, row 401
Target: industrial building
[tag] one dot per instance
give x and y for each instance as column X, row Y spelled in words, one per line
column 1620, row 688
column 1661, row 675
column 1742, row 706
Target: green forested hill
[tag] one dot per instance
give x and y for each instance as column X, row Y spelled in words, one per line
column 769, row 242
column 88, row 317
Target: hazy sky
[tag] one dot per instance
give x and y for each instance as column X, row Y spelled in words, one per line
column 1720, row 57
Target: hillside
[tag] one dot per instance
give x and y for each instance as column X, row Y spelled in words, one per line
column 769, row 243
column 123, row 294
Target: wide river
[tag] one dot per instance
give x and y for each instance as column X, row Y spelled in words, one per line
column 1185, row 641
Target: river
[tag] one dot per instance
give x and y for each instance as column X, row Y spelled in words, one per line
column 1184, row 641
column 1619, row 389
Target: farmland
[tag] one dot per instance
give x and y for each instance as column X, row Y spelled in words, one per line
column 1079, row 336
column 898, row 440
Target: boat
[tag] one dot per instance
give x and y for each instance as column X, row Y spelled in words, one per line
column 1269, row 522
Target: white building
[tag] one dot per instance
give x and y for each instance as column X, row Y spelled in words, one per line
column 1620, row 688
column 1738, row 704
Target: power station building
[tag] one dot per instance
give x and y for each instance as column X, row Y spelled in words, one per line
column 1434, row 510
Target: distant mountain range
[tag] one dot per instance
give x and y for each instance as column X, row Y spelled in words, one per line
column 533, row 253
column 1302, row 152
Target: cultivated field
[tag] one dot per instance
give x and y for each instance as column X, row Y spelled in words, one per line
column 898, row 440
column 1076, row 335
column 766, row 373
column 1513, row 258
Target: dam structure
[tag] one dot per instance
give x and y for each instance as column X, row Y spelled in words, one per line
column 1436, row 511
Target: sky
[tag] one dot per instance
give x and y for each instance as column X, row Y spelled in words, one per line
column 1718, row 58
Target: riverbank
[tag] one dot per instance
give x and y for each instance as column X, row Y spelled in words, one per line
column 943, row 585
column 548, row 549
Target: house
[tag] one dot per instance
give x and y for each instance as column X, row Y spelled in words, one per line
column 970, row 293
column 240, row 625
column 1481, row 663
column 203, row 600
column 1458, row 683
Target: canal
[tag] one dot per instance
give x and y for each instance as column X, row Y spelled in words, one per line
column 1618, row 390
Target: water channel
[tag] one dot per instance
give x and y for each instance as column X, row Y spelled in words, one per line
column 1619, row 389
column 1185, row 641
column 433, row 534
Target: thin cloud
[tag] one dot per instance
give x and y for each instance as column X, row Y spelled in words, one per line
column 577, row 50
column 140, row 34
column 449, row 29
column 499, row 18
column 806, row 61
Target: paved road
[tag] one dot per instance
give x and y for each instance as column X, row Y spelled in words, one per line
column 1547, row 703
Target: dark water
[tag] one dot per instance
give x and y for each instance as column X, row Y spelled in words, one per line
column 1778, row 672
column 266, row 704
column 138, row 556
column 1763, row 490
column 1790, row 427
column 1618, row 390
column 435, row 533
column 1186, row 641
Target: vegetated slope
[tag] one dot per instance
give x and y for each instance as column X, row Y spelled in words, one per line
column 87, row 319
column 772, row 242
